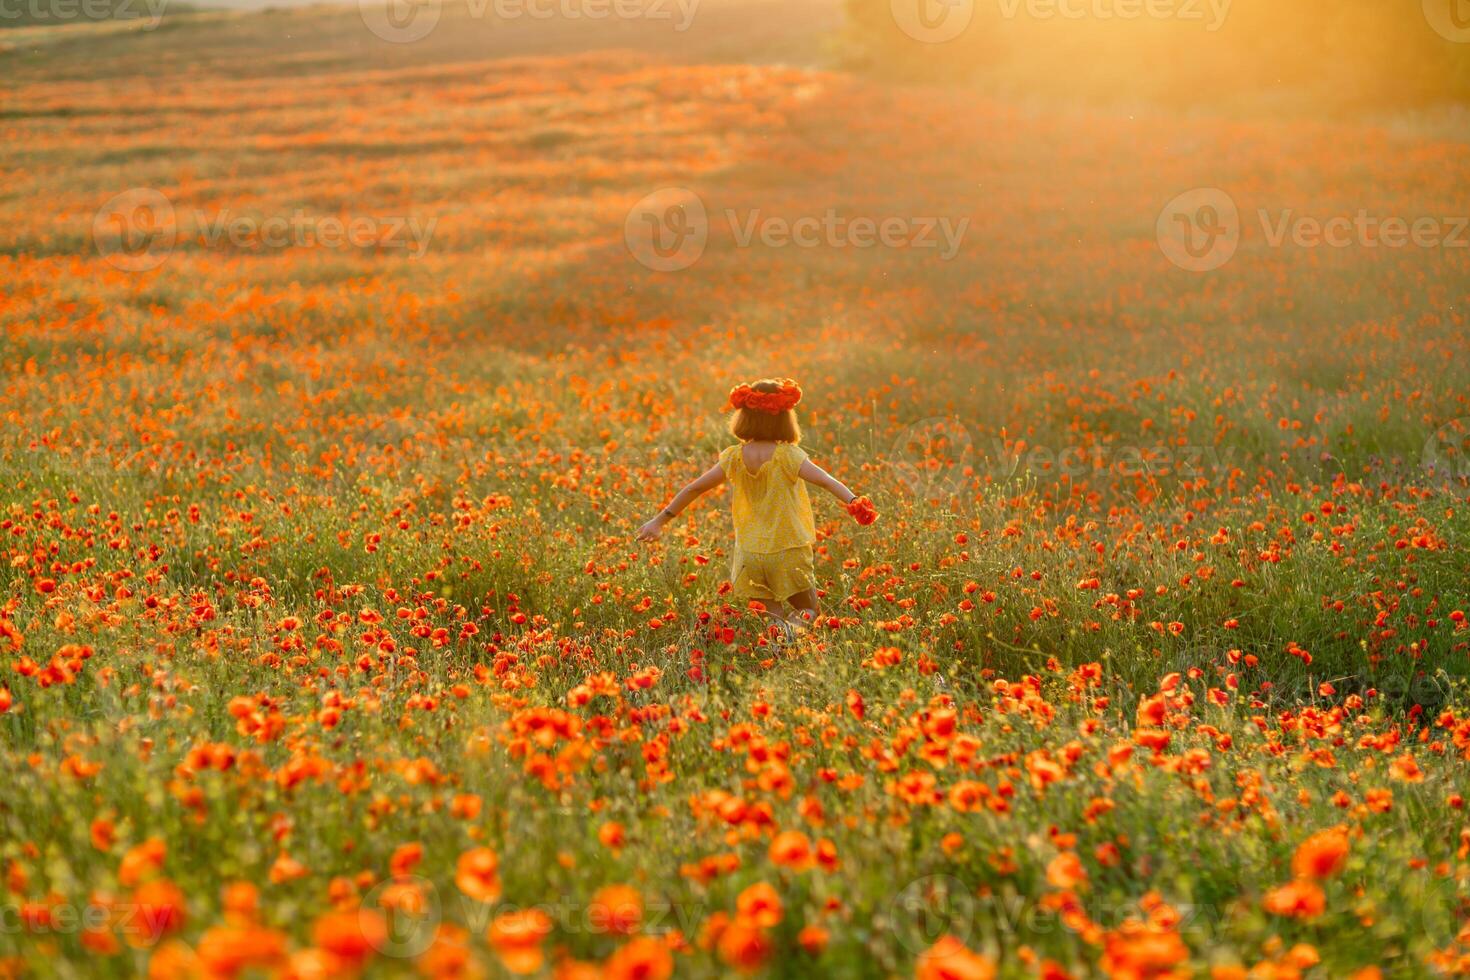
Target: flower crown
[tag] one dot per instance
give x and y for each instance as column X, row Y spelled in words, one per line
column 770, row 402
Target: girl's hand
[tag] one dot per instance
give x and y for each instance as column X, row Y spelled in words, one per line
column 862, row 510
column 651, row 530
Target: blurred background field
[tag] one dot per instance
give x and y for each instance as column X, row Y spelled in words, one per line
column 1243, row 463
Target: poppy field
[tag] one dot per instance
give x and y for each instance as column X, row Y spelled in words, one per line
column 338, row 375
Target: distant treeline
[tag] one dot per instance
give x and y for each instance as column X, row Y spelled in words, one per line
column 1364, row 54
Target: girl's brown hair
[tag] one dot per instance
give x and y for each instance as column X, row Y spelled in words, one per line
column 753, row 425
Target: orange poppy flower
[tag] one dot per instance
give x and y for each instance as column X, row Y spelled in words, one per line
column 791, row 849
column 616, row 908
column 103, row 834
column 173, row 960
column 1065, row 871
column 759, row 905
column 405, row 858
column 612, row 836
column 1322, row 855
column 813, row 939
column 315, row 964
column 516, row 938
column 950, row 959
column 1405, row 768
column 449, row 957
column 241, row 901
column 286, row 868
column 159, row 906
column 141, row 861
column 640, row 959
column 744, row 946
column 1300, row 899
column 227, row 950
column 352, row 936
column 477, row 874
column 1146, row 952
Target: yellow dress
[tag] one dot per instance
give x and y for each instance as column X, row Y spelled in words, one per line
column 774, row 528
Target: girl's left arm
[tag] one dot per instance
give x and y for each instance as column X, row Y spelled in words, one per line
column 705, row 482
column 818, row 477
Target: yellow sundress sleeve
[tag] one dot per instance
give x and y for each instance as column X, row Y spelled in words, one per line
column 728, row 458
column 791, row 458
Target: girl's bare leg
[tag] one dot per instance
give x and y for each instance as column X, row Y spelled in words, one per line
column 804, row 608
column 775, row 613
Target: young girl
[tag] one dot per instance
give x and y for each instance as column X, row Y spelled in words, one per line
column 768, row 472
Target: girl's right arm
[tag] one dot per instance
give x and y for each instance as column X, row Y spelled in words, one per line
column 708, row 480
column 818, row 477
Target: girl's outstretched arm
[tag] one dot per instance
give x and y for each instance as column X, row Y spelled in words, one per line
column 818, row 477
column 707, row 481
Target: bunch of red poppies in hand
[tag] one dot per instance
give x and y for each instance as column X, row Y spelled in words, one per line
column 862, row 510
